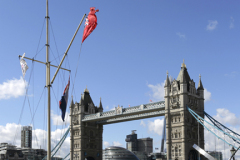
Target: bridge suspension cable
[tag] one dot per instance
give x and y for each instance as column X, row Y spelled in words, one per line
column 66, row 156
column 212, row 127
column 222, row 127
column 59, row 144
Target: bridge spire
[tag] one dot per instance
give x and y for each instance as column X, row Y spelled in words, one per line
column 183, row 75
column 100, row 103
column 183, row 64
column 167, row 83
column 200, row 86
column 71, row 105
column 86, row 90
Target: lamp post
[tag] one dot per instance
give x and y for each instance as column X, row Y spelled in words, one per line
column 233, row 152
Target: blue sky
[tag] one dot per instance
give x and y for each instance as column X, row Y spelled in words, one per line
column 124, row 61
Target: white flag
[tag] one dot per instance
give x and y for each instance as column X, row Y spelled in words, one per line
column 23, row 64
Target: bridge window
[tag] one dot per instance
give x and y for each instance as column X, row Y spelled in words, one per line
column 174, row 88
column 174, row 99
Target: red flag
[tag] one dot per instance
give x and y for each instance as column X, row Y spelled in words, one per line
column 90, row 24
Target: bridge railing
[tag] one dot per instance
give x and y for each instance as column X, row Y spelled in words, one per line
column 118, row 111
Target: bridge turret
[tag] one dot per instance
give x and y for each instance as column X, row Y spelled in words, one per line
column 86, row 137
column 86, row 101
column 200, row 92
column 183, row 78
column 200, row 89
column 100, row 108
column 167, row 86
column 181, row 127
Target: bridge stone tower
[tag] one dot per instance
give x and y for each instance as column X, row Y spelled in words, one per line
column 86, row 137
column 181, row 127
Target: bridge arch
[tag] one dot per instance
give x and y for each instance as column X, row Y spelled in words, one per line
column 89, row 158
column 193, row 155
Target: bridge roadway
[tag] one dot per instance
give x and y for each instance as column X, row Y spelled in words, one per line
column 121, row 114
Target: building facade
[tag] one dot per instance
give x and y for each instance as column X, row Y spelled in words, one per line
column 10, row 152
column 181, row 127
column 26, row 137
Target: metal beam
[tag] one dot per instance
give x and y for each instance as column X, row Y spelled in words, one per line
column 44, row 63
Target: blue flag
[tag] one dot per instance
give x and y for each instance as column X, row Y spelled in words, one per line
column 64, row 100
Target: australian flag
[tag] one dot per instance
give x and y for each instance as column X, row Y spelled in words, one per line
column 64, row 100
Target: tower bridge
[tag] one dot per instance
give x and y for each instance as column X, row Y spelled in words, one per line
column 87, row 120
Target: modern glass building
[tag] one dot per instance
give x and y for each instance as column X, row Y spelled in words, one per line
column 26, row 137
column 118, row 153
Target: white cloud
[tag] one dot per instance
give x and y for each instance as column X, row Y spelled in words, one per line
column 57, row 119
column 8, row 132
column 106, row 144
column 107, row 107
column 117, row 144
column 12, row 88
column 181, row 35
column 157, row 91
column 231, row 26
column 207, row 95
column 142, row 124
column 212, row 25
column 226, row 117
column 156, row 126
column 232, row 74
column 113, row 107
column 114, row 143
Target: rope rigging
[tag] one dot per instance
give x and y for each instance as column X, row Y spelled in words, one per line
column 26, row 92
column 40, row 40
column 34, row 109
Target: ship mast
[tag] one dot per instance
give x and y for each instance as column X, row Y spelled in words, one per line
column 48, row 85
